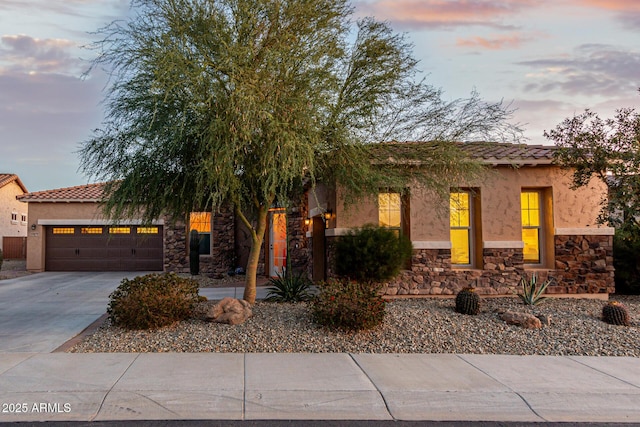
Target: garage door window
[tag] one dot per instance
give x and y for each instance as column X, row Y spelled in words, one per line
column 64, row 230
column 147, row 230
column 119, row 230
column 91, row 230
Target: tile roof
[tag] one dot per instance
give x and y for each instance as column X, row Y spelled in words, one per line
column 8, row 178
column 81, row 193
column 496, row 153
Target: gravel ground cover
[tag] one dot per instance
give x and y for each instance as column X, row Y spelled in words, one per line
column 410, row 326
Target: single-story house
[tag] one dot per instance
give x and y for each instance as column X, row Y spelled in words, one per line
column 522, row 218
column 13, row 216
column 68, row 232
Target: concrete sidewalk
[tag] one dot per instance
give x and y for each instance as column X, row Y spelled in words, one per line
column 218, row 386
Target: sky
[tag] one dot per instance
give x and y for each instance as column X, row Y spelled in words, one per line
column 547, row 59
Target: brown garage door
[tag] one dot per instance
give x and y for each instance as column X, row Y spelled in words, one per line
column 103, row 248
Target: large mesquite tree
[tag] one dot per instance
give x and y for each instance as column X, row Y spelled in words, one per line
column 239, row 102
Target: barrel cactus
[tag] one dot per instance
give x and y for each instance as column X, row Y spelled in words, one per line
column 468, row 301
column 616, row 313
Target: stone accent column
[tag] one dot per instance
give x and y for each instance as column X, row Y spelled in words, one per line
column 584, row 264
column 175, row 246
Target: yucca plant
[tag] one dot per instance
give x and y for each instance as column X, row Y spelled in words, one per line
column 289, row 288
column 532, row 292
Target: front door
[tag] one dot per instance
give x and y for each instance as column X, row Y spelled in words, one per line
column 277, row 242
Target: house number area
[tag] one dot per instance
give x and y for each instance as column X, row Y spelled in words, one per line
column 38, row 407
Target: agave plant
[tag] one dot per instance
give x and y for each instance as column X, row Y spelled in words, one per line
column 289, row 288
column 532, row 292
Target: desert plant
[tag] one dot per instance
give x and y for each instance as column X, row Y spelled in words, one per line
column 152, row 301
column 289, row 287
column 531, row 291
column 194, row 253
column 468, row 301
column 371, row 253
column 616, row 313
column 347, row 305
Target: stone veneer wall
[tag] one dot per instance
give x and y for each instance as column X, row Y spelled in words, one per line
column 298, row 242
column 221, row 260
column 584, row 264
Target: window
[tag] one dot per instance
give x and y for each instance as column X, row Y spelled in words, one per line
column 14, row 217
column 390, row 211
column 531, row 226
column 23, row 219
column 119, row 230
column 201, row 222
column 147, row 230
column 64, row 230
column 91, row 230
column 461, row 230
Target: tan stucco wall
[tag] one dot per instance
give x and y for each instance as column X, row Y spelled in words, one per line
column 43, row 212
column 500, row 205
column 9, row 204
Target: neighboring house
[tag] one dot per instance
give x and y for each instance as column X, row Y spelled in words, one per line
column 523, row 218
column 13, row 216
column 69, row 233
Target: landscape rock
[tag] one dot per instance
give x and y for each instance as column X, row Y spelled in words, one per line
column 230, row 310
column 527, row 321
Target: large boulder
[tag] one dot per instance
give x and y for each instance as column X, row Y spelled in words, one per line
column 230, row 310
column 525, row 320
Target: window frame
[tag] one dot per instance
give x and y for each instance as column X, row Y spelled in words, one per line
column 541, row 227
column 471, row 227
column 209, row 233
column 404, row 227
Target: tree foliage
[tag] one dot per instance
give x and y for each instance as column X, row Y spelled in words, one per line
column 609, row 150
column 239, row 102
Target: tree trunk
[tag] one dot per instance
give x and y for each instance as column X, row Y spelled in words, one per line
column 257, row 238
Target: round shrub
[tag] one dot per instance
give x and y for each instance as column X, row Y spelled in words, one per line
column 348, row 305
column 152, row 301
column 371, row 254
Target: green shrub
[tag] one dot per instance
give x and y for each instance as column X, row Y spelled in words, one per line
column 348, row 305
column 289, row 288
column 371, row 254
column 152, row 301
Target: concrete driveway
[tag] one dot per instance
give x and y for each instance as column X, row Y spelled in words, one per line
column 40, row 312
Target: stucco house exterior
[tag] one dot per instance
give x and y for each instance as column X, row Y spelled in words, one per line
column 13, row 214
column 522, row 218
column 68, row 232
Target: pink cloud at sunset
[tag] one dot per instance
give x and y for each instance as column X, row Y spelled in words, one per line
column 444, row 13
column 497, row 42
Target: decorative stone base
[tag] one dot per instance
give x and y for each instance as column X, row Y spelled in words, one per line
column 583, row 265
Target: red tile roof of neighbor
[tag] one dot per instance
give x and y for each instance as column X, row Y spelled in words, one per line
column 8, row 178
column 80, row 193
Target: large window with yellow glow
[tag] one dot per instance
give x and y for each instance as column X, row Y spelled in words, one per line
column 390, row 210
column 531, row 226
column 201, row 222
column 461, row 228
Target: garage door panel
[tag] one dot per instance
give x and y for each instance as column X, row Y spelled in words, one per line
column 82, row 248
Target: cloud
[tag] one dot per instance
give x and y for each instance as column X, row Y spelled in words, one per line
column 22, row 53
column 626, row 11
column 446, row 14
column 496, row 42
column 591, row 69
